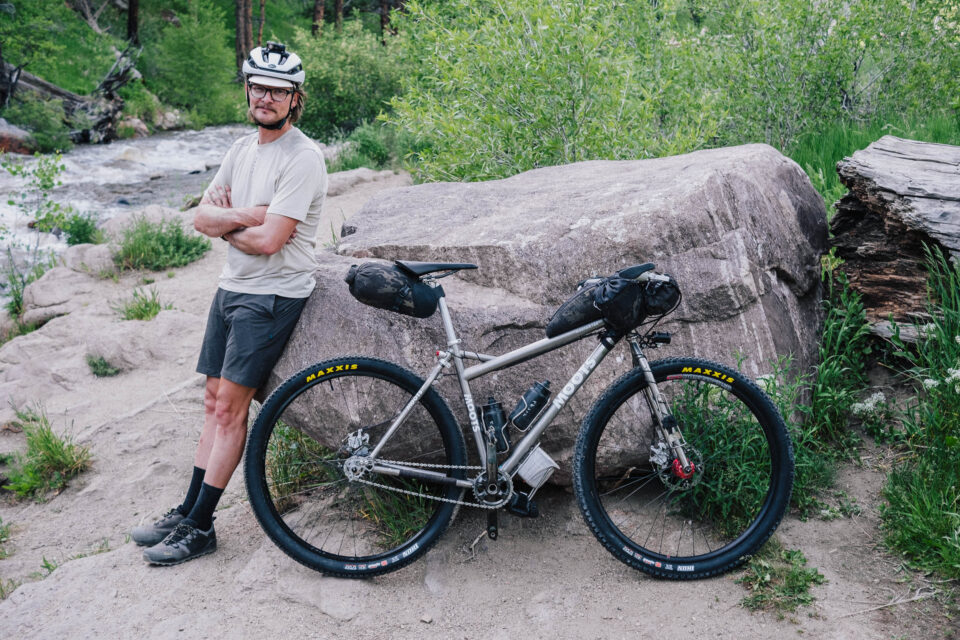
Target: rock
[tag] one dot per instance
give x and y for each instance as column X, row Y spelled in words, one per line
column 903, row 194
column 132, row 344
column 136, row 125
column 166, row 120
column 58, row 292
column 95, row 259
column 13, row 139
column 7, row 324
column 342, row 181
column 742, row 230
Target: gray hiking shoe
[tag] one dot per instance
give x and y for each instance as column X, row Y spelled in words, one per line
column 186, row 542
column 150, row 534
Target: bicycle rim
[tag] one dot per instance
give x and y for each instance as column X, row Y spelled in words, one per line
column 642, row 508
column 307, row 504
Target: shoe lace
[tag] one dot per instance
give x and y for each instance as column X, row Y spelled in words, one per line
column 182, row 533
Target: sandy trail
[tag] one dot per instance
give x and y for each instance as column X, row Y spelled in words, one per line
column 544, row 578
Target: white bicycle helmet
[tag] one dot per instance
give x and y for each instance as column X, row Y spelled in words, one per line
column 273, row 66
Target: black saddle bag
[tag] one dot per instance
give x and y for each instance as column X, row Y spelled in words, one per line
column 386, row 286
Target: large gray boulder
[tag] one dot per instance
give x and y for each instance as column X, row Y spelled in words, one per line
column 741, row 229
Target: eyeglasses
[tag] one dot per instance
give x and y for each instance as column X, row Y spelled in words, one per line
column 276, row 93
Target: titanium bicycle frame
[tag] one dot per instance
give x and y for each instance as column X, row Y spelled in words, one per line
column 665, row 424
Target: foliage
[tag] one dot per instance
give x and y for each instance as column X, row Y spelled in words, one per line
column 158, row 246
column 100, row 367
column 922, row 519
column 81, row 228
column 139, row 102
column 56, row 44
column 44, row 119
column 517, row 85
column 49, row 462
column 843, row 351
column 778, row 579
column 819, row 150
column 351, row 76
column 35, row 204
column 141, row 306
column 294, row 461
column 374, row 145
column 196, row 78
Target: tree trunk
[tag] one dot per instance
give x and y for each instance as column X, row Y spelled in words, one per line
column 338, row 9
column 384, row 20
column 903, row 195
column 318, row 7
column 244, row 31
column 263, row 10
column 133, row 31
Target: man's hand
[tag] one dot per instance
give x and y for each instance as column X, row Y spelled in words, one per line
column 218, row 196
column 216, row 216
column 265, row 239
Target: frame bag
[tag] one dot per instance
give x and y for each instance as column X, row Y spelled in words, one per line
column 386, row 286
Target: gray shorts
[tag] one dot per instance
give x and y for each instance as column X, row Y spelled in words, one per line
column 246, row 334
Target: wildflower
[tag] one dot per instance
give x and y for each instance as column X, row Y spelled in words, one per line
column 956, row 339
column 872, row 406
column 953, row 375
column 930, row 383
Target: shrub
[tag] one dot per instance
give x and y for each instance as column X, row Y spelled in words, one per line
column 44, row 119
column 199, row 79
column 534, row 83
column 158, row 246
column 81, row 228
column 138, row 102
column 49, row 462
column 141, row 306
column 100, row 367
column 922, row 519
column 351, row 77
column 778, row 579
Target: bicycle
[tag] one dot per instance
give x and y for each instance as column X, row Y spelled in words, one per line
column 683, row 467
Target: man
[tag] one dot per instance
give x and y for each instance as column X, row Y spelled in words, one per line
column 265, row 201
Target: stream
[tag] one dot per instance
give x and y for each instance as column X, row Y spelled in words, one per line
column 167, row 169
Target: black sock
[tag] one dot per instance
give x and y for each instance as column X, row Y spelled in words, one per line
column 193, row 491
column 202, row 512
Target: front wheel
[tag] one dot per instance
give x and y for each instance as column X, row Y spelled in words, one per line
column 671, row 522
column 308, row 475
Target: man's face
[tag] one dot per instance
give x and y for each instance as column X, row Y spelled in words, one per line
column 269, row 104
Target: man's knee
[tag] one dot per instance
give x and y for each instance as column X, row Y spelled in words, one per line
column 232, row 405
column 210, row 396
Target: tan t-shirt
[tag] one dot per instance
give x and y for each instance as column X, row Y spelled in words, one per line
column 289, row 175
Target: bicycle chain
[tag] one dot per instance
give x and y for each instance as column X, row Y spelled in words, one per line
column 427, row 465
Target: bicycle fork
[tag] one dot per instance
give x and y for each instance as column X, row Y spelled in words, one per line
column 666, row 425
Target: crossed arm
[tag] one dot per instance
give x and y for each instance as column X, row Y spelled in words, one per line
column 249, row 229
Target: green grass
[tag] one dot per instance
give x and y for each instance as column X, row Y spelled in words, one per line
column 159, row 246
column 778, row 579
column 818, row 152
column 142, row 306
column 50, row 461
column 81, row 228
column 397, row 516
column 100, row 367
column 922, row 517
column 287, row 467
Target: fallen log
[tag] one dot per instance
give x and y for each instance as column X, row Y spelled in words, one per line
column 903, row 195
column 93, row 118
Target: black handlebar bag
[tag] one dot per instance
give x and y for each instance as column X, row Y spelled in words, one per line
column 386, row 286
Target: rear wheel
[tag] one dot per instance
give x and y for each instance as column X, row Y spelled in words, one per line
column 657, row 517
column 308, row 478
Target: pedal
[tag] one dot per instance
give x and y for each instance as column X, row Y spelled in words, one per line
column 492, row 524
column 523, row 507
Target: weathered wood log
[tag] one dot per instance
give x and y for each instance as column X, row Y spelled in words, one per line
column 903, row 194
column 94, row 117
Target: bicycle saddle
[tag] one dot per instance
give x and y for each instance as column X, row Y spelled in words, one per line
column 423, row 268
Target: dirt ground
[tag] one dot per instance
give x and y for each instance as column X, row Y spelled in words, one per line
column 543, row 578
